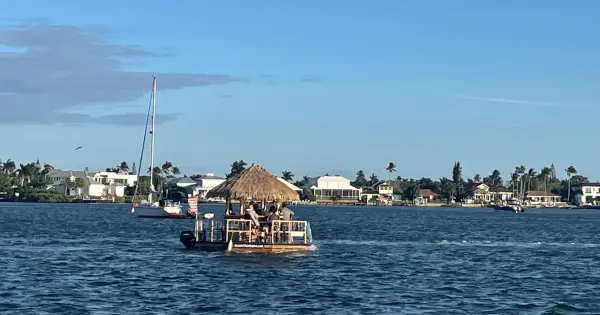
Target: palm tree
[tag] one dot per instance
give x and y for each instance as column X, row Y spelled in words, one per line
column 531, row 174
column 175, row 170
column 495, row 177
column 78, row 183
column 237, row 167
column 69, row 184
column 477, row 178
column 373, row 179
column 287, row 175
column 25, row 172
column 520, row 170
column 544, row 173
column 47, row 169
column 9, row 166
column 514, row 177
column 390, row 168
column 571, row 170
column 156, row 176
column 167, row 167
column 124, row 167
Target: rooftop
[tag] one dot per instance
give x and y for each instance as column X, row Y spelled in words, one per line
column 64, row 174
column 290, row 185
column 537, row 193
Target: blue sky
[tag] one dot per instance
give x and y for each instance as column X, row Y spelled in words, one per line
column 310, row 86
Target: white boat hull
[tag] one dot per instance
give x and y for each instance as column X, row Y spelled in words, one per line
column 158, row 212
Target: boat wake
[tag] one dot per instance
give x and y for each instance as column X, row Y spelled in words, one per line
column 483, row 243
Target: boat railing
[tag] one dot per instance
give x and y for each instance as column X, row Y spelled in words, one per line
column 290, row 231
column 208, row 230
column 269, row 232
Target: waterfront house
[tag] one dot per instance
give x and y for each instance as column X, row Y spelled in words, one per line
column 205, row 183
column 382, row 191
column 483, row 193
column 96, row 185
column 541, row 198
column 586, row 194
column 368, row 194
column 290, row 185
column 111, row 178
column 428, row 194
column 480, row 193
column 181, row 182
column 383, row 187
column 335, row 187
column 501, row 194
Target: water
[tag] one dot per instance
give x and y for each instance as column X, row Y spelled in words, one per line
column 99, row 259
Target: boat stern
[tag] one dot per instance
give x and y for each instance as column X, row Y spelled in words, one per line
column 187, row 239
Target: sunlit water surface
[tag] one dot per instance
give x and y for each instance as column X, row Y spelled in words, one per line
column 100, row 259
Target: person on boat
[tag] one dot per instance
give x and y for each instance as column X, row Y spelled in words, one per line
column 273, row 215
column 286, row 212
column 251, row 215
column 230, row 210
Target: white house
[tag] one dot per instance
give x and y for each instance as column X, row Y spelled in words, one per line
column 110, row 178
column 205, row 183
column 290, row 185
column 181, row 182
column 95, row 185
column 329, row 187
column 107, row 178
column 586, row 194
column 383, row 188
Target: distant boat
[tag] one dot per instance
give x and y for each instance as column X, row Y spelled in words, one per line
column 163, row 208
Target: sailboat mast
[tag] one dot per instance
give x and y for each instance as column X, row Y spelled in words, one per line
column 152, row 138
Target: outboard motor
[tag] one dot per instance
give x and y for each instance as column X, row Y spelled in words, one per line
column 187, row 239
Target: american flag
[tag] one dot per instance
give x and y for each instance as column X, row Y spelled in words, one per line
column 192, row 205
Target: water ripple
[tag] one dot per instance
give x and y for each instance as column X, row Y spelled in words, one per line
column 98, row 259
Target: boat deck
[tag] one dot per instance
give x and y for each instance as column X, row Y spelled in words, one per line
column 243, row 235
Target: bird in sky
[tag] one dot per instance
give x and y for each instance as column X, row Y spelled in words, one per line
column 79, row 147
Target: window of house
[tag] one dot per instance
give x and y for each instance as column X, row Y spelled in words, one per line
column 588, row 190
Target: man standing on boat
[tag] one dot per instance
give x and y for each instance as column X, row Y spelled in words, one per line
column 286, row 212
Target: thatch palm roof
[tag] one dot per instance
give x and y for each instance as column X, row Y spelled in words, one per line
column 253, row 183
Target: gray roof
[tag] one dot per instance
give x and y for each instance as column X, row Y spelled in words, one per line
column 181, row 180
column 210, row 177
column 64, row 174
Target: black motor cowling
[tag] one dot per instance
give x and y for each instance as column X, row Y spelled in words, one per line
column 187, row 239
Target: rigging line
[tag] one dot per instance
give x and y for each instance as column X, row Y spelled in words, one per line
column 143, row 147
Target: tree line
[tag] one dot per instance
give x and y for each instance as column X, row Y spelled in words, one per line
column 31, row 178
column 519, row 181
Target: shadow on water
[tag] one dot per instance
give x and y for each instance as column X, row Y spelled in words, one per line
column 100, row 259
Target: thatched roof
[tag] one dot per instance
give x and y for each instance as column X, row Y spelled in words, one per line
column 253, row 183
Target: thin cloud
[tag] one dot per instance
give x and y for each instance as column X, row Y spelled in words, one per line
column 504, row 100
column 310, row 79
column 49, row 70
column 269, row 79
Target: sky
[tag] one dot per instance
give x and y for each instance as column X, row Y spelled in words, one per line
column 308, row 86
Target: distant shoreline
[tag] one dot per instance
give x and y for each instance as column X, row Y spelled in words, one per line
column 312, row 204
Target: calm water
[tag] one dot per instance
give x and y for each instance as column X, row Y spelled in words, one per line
column 98, row 259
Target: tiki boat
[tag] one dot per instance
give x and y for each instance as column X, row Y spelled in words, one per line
column 248, row 232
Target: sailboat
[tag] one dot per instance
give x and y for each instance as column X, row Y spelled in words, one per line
column 161, row 208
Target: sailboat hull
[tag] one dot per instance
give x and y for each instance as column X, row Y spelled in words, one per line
column 161, row 212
